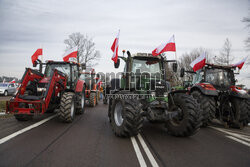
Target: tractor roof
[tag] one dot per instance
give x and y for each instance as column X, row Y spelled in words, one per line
column 228, row 67
column 60, row 62
column 145, row 55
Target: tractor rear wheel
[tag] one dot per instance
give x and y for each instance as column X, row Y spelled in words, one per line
column 208, row 107
column 80, row 108
column 239, row 108
column 125, row 117
column 248, row 109
column 66, row 112
column 92, row 99
column 189, row 120
column 23, row 117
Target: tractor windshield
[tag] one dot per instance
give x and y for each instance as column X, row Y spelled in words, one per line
column 197, row 78
column 151, row 67
column 219, row 77
column 65, row 68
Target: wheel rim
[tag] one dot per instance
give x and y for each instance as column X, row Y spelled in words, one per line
column 83, row 101
column 5, row 93
column 72, row 109
column 118, row 114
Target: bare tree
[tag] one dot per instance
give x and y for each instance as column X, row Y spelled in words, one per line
column 246, row 20
column 86, row 48
column 225, row 56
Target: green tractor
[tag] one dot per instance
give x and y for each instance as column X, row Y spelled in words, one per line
column 143, row 92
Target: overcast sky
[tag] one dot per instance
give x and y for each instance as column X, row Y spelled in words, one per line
column 28, row 25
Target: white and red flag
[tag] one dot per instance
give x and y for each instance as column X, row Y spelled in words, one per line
column 34, row 57
column 199, row 62
column 240, row 63
column 71, row 53
column 114, row 48
column 13, row 81
column 165, row 47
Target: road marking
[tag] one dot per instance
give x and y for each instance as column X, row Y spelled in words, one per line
column 147, row 151
column 138, row 152
column 3, row 140
column 238, row 140
column 241, row 138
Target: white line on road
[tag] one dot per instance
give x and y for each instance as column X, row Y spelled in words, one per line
column 238, row 140
column 242, row 137
column 147, row 151
column 3, row 140
column 138, row 152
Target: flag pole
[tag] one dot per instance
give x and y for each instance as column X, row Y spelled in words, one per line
column 175, row 50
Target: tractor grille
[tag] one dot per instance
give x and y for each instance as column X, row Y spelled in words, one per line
column 159, row 87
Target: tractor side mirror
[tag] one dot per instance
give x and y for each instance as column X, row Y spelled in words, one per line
column 35, row 64
column 83, row 66
column 117, row 64
column 175, row 67
column 182, row 73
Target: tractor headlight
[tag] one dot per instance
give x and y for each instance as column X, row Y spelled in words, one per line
column 153, row 94
column 165, row 94
column 41, row 89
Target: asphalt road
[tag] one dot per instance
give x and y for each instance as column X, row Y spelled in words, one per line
column 4, row 98
column 89, row 141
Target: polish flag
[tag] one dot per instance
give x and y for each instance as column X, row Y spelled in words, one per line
column 240, row 63
column 13, row 81
column 71, row 53
column 165, row 47
column 114, row 48
column 199, row 62
column 34, row 57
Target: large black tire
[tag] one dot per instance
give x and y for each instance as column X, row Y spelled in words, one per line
column 189, row 121
column 66, row 112
column 208, row 107
column 92, row 99
column 23, row 117
column 80, row 103
column 248, row 109
column 125, row 117
column 239, row 107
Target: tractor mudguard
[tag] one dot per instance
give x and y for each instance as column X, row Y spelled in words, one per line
column 239, row 93
column 79, row 85
column 204, row 91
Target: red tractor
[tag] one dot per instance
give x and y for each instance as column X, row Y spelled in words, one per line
column 59, row 87
column 214, row 88
column 92, row 89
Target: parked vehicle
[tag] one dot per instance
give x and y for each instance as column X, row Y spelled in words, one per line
column 7, row 89
column 58, row 88
column 214, row 87
column 92, row 92
column 142, row 91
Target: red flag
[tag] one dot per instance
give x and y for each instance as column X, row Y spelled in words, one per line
column 13, row 81
column 71, row 53
column 199, row 62
column 240, row 63
column 165, row 47
column 114, row 48
column 34, row 57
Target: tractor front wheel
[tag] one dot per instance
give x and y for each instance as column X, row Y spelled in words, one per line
column 66, row 112
column 188, row 121
column 92, row 99
column 125, row 117
column 239, row 108
column 207, row 107
column 80, row 103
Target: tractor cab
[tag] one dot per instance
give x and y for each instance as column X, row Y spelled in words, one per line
column 221, row 77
